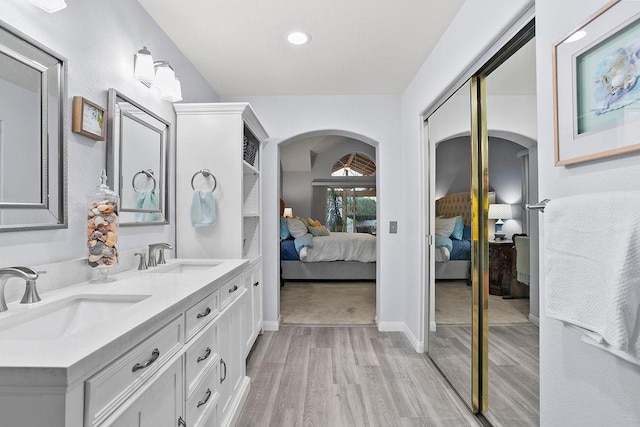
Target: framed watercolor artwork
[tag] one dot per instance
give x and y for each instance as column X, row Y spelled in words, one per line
column 596, row 73
column 88, row 119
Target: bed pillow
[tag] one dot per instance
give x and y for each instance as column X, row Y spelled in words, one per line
column 304, row 241
column 445, row 226
column 458, row 228
column 442, row 241
column 466, row 233
column 296, row 227
column 284, row 229
column 319, row 231
column 313, row 223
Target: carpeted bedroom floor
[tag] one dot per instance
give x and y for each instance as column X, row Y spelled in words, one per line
column 328, row 303
column 453, row 302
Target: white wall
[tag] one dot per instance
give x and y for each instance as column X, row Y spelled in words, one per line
column 580, row 385
column 462, row 44
column 375, row 119
column 99, row 41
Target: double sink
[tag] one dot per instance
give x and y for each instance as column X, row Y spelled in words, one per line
column 55, row 320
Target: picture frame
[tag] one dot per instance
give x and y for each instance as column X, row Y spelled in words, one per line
column 596, row 87
column 88, row 119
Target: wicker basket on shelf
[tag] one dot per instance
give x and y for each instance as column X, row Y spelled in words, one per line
column 250, row 149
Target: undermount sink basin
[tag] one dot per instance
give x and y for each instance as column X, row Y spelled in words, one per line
column 186, row 267
column 59, row 319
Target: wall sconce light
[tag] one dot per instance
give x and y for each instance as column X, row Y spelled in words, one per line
column 50, row 6
column 500, row 212
column 288, row 213
column 159, row 74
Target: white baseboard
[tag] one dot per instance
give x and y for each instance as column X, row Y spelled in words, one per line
column 401, row 327
column 390, row 326
column 270, row 325
column 432, row 326
column 533, row 319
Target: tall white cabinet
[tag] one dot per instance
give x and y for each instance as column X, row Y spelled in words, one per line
column 211, row 137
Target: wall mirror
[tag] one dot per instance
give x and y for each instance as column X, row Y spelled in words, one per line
column 32, row 138
column 137, row 161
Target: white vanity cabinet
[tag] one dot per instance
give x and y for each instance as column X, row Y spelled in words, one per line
column 252, row 317
column 183, row 364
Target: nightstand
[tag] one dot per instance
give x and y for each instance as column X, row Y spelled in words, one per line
column 500, row 267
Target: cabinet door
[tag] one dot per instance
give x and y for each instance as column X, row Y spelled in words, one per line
column 232, row 361
column 158, row 404
column 257, row 299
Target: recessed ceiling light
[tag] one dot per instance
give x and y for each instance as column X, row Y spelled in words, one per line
column 576, row 36
column 299, row 37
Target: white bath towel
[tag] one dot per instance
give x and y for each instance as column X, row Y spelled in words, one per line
column 592, row 268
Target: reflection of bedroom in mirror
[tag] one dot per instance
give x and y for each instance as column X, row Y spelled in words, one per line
column 328, row 230
column 512, row 265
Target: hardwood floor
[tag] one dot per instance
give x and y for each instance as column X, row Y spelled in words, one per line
column 346, row 376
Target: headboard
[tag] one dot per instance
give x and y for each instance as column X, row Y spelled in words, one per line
column 455, row 204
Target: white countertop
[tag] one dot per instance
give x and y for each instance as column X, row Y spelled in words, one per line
column 81, row 354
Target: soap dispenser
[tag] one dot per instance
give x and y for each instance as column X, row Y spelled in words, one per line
column 102, row 229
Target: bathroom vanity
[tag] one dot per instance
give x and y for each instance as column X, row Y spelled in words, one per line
column 161, row 347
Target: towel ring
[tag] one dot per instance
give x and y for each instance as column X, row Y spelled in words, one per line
column 149, row 174
column 206, row 173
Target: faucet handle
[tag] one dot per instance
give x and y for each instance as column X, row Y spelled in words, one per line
column 142, row 265
column 31, row 291
column 161, row 259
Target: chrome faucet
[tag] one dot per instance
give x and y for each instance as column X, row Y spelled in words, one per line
column 154, row 259
column 29, row 275
column 142, row 265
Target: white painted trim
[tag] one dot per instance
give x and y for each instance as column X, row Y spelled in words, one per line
column 271, row 325
column 535, row 320
column 432, row 326
column 417, row 345
column 391, row 326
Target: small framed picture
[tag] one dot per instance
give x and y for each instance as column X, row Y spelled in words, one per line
column 88, row 119
column 596, row 86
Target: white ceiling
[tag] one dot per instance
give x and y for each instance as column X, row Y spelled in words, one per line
column 357, row 46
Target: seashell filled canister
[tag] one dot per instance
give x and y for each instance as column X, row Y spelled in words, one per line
column 102, row 229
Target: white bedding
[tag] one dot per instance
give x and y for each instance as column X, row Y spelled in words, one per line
column 442, row 254
column 341, row 247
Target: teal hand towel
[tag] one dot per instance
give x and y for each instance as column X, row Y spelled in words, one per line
column 147, row 200
column 203, row 209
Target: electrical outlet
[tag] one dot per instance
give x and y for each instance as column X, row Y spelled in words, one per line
column 393, row 227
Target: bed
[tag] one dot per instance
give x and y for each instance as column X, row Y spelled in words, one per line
column 336, row 256
column 453, row 255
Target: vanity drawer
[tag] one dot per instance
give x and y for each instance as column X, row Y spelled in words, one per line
column 109, row 388
column 200, row 355
column 201, row 313
column 204, row 398
column 230, row 290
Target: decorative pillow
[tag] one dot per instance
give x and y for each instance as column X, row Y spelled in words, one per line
column 296, row 227
column 314, row 223
column 444, row 226
column 444, row 242
column 319, row 231
column 304, row 241
column 458, row 229
column 284, row 229
column 305, row 221
column 466, row 233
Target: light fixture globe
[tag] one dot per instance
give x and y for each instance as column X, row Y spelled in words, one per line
column 143, row 69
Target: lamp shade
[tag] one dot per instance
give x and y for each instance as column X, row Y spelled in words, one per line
column 500, row 211
column 288, row 213
column 143, row 67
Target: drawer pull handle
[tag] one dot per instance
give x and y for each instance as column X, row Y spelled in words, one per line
column 235, row 288
column 181, row 422
column 256, row 284
column 207, row 395
column 204, row 313
column 207, row 353
column 225, row 371
column 154, row 356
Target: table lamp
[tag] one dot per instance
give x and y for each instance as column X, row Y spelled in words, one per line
column 499, row 212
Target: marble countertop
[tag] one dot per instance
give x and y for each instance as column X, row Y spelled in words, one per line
column 75, row 357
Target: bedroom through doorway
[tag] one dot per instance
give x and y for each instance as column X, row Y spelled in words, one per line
column 328, row 232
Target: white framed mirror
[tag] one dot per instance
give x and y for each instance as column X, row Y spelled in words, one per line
column 33, row 170
column 138, row 140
